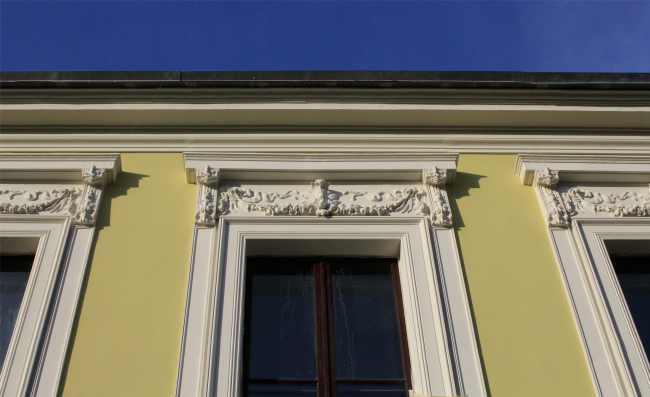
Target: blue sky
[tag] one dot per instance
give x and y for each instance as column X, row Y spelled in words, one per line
column 532, row 36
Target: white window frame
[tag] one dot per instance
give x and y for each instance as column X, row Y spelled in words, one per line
column 37, row 351
column 444, row 356
column 615, row 356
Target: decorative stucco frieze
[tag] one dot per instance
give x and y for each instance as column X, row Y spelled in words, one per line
column 208, row 179
column 546, row 182
column 440, row 212
column 322, row 201
column 80, row 204
column 39, row 201
column 590, row 201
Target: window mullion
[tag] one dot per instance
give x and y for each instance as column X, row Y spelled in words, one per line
column 320, row 295
column 330, row 329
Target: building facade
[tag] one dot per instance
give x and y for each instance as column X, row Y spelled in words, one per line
column 516, row 208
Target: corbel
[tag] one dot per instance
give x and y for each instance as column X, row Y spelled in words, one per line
column 94, row 180
column 545, row 183
column 434, row 181
column 207, row 179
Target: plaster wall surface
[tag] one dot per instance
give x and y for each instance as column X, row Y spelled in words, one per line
column 127, row 335
column 526, row 333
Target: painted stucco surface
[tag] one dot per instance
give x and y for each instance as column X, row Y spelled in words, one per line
column 529, row 343
column 128, row 333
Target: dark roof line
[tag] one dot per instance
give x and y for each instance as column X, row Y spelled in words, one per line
column 318, row 78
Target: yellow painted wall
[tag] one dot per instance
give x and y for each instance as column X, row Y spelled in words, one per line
column 529, row 343
column 129, row 328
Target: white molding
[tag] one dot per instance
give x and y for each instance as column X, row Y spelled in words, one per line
column 580, row 217
column 598, row 169
column 423, row 174
column 442, row 345
column 57, row 166
column 305, row 167
column 242, row 188
column 70, row 188
column 264, row 140
column 22, row 354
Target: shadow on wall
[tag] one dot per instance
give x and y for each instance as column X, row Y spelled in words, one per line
column 461, row 188
column 463, row 183
column 124, row 182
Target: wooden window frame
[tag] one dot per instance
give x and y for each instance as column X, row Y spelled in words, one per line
column 324, row 324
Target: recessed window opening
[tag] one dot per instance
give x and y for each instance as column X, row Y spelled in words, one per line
column 324, row 327
column 16, row 260
column 631, row 262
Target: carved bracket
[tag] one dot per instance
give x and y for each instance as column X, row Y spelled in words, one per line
column 434, row 179
column 94, row 182
column 545, row 183
column 208, row 180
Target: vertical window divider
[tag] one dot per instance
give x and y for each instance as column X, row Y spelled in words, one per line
column 320, row 295
column 330, row 328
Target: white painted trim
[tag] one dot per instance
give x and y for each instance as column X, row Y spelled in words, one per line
column 32, row 319
column 346, row 166
column 56, row 166
column 442, row 345
column 265, row 140
column 445, row 358
column 41, row 338
column 598, row 169
column 618, row 364
column 616, row 360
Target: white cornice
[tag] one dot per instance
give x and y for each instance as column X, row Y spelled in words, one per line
column 600, row 169
column 57, row 166
column 387, row 167
column 303, row 114
column 422, row 141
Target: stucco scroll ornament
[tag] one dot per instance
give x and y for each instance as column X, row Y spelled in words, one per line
column 440, row 213
column 51, row 201
column 93, row 179
column 546, row 182
column 321, row 201
column 208, row 179
column 583, row 200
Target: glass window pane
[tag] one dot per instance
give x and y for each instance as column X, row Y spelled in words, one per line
column 366, row 333
column 280, row 326
column 281, row 389
column 634, row 277
column 371, row 390
column 14, row 274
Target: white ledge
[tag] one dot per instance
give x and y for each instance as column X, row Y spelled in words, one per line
column 290, row 167
column 583, row 169
column 57, row 166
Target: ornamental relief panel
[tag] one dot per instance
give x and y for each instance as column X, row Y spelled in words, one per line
column 606, row 201
column 322, row 201
column 25, row 200
column 78, row 201
column 563, row 201
column 319, row 198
